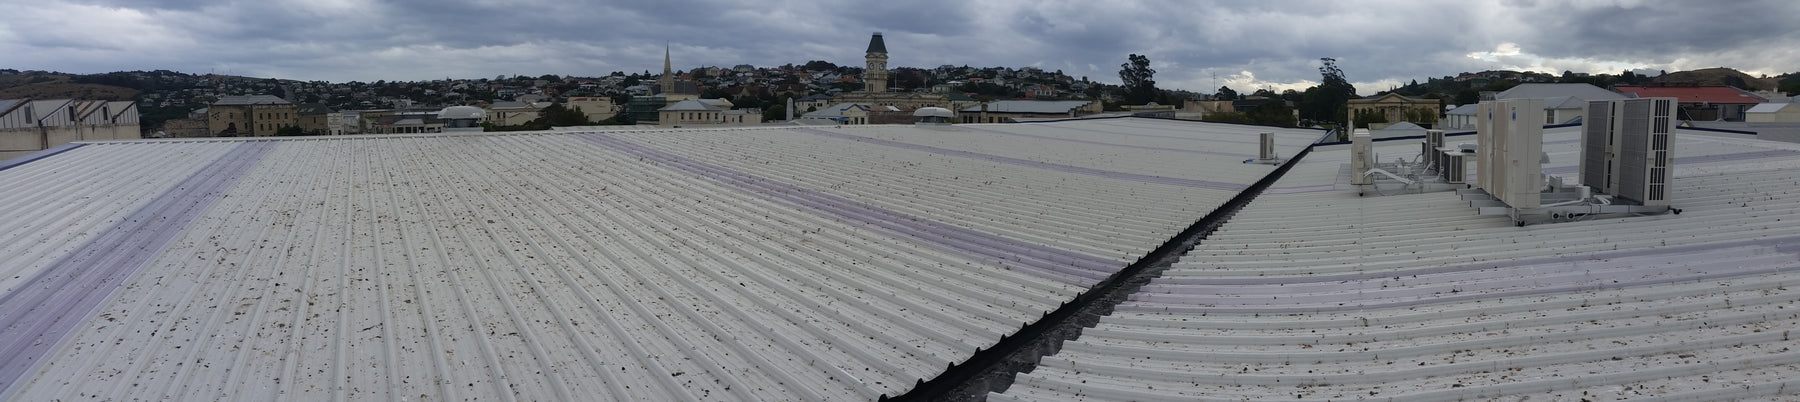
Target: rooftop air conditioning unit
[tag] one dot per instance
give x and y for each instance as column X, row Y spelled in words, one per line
column 1455, row 168
column 1429, row 152
column 1361, row 156
column 1510, row 134
column 1625, row 148
column 1267, row 151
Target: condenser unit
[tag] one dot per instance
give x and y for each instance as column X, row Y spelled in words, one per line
column 1625, row 148
column 1454, row 168
column 1428, row 150
column 1361, row 156
column 1511, row 141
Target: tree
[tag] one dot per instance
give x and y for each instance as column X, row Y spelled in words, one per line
column 1467, row 96
column 557, row 115
column 774, row 113
column 1226, row 93
column 1328, row 102
column 819, row 65
column 1272, row 113
column 1138, row 79
column 289, row 131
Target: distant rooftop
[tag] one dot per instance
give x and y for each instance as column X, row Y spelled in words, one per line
column 1710, row 94
column 236, row 100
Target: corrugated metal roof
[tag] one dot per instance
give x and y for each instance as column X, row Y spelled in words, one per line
column 1026, row 106
column 1532, row 90
column 251, row 100
column 1768, row 108
column 756, row 263
column 689, row 105
column 1695, row 94
column 1313, row 292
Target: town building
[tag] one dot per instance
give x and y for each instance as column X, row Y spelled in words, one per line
column 875, row 84
column 315, row 119
column 1395, row 108
column 409, row 122
column 1784, row 112
column 706, row 112
column 32, row 125
column 1013, row 110
column 511, row 113
column 595, row 108
column 842, row 113
column 250, row 116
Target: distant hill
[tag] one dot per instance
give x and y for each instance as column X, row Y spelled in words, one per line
column 59, row 86
column 1717, row 76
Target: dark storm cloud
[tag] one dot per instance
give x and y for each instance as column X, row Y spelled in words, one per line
column 1247, row 45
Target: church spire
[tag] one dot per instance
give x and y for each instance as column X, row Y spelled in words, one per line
column 668, row 77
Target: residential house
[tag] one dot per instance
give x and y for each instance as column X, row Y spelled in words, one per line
column 511, row 113
column 1709, row 103
column 842, row 113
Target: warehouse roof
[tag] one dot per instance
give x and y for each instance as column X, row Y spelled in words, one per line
column 1314, row 292
column 746, row 263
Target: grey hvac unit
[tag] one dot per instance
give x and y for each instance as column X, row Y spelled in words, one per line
column 1428, row 150
column 1625, row 148
column 1455, row 168
column 1268, row 147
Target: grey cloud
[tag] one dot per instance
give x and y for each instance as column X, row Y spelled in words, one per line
column 1279, row 41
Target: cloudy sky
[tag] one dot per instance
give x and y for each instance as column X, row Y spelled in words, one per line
column 1194, row 45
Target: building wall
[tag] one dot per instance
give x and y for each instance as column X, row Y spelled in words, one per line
column 595, row 108
column 687, row 117
column 511, row 116
column 707, row 118
column 316, row 124
column 1790, row 114
column 186, row 128
column 1394, row 109
column 252, row 120
column 26, row 131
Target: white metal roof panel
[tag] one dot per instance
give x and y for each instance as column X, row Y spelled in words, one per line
column 1317, row 293
column 765, row 263
column 1759, row 108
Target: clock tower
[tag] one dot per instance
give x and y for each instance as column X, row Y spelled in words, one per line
column 875, row 75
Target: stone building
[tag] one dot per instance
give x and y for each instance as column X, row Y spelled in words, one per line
column 250, row 116
column 1395, row 108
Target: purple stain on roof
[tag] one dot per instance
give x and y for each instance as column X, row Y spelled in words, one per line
column 1143, row 178
column 40, row 313
column 1057, row 264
